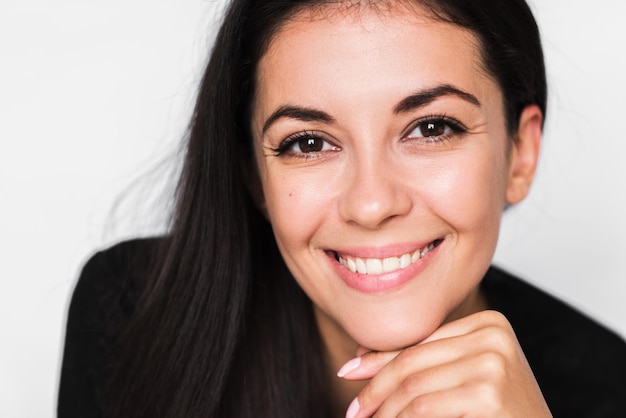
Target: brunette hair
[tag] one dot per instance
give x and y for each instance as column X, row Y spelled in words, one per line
column 222, row 329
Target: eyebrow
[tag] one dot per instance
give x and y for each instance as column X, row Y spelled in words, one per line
column 304, row 114
column 425, row 97
column 412, row 102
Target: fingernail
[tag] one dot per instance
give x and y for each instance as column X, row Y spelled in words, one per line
column 353, row 409
column 349, row 366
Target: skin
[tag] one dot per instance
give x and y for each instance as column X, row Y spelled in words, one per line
column 372, row 185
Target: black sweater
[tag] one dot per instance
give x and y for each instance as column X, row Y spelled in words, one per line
column 579, row 365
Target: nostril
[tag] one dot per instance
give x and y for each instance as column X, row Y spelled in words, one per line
column 374, row 195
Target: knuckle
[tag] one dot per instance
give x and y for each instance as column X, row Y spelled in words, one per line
column 489, row 397
column 404, row 362
column 405, row 358
column 499, row 339
column 495, row 318
column 367, row 395
column 410, row 386
column 421, row 407
column 494, row 364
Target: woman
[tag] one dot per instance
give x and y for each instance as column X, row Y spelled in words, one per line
column 347, row 168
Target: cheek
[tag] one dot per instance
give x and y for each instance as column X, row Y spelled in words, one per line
column 468, row 190
column 297, row 204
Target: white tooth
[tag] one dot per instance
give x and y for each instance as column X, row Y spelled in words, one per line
column 360, row 266
column 391, row 264
column 374, row 266
column 351, row 265
column 405, row 261
column 378, row 266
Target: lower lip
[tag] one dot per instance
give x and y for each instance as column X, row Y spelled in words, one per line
column 386, row 282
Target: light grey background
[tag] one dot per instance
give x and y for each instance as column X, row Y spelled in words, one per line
column 93, row 96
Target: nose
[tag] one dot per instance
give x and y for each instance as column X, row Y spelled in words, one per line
column 375, row 192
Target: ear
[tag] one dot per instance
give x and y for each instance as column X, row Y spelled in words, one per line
column 524, row 154
column 250, row 174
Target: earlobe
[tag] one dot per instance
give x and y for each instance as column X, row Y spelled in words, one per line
column 524, row 154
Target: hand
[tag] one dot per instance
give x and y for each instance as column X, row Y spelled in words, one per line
column 472, row 367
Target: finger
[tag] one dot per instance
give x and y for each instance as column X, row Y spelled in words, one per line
column 367, row 365
column 411, row 361
column 370, row 363
column 442, row 404
column 494, row 345
column 469, row 324
column 465, row 371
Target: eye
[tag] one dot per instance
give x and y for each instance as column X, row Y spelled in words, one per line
column 309, row 144
column 428, row 129
column 435, row 128
column 304, row 144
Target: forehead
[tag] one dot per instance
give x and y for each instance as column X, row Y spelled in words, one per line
column 365, row 51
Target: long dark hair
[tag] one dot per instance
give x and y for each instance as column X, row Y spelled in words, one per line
column 221, row 329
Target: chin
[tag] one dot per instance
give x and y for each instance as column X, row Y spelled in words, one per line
column 397, row 334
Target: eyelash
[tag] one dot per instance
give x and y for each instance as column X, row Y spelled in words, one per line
column 290, row 141
column 455, row 128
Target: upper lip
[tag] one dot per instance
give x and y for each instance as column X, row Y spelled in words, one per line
column 394, row 250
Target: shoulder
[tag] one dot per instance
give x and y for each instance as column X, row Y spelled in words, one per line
column 116, row 268
column 110, row 280
column 538, row 315
column 579, row 364
column 103, row 300
column 109, row 260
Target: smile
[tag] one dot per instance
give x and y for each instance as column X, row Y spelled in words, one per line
column 373, row 266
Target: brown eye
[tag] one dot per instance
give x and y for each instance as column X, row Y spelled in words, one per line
column 432, row 128
column 306, row 144
column 435, row 129
column 310, row 144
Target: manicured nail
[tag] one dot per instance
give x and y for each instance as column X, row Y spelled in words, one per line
column 349, row 366
column 353, row 409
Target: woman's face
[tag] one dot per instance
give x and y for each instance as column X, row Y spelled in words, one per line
column 382, row 154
